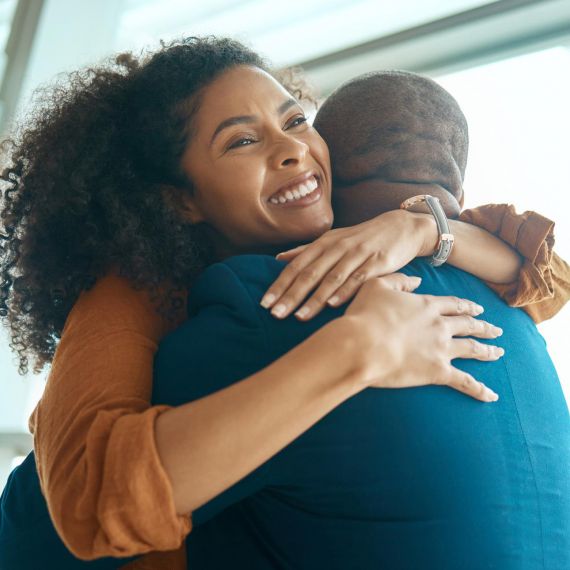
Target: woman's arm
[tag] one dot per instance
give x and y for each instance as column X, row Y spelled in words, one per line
column 94, row 429
column 114, row 489
column 208, row 445
column 475, row 250
column 339, row 262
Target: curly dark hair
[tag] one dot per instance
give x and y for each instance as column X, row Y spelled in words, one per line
column 82, row 187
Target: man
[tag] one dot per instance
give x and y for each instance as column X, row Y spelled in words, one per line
column 403, row 479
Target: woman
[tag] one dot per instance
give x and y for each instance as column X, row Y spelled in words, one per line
column 116, row 156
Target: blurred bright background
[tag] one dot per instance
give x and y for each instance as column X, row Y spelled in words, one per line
column 507, row 63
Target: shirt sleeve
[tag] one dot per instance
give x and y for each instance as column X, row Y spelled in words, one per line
column 543, row 284
column 100, row 472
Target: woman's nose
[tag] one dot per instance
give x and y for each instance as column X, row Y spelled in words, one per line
column 288, row 151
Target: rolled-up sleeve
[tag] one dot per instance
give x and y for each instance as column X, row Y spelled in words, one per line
column 100, row 472
column 543, row 284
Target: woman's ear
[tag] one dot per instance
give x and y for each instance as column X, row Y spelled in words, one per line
column 183, row 203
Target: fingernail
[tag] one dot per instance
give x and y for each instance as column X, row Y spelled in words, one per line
column 333, row 301
column 302, row 312
column 416, row 280
column 479, row 309
column 267, row 301
column 492, row 396
column 279, row 310
column 499, row 351
column 498, row 331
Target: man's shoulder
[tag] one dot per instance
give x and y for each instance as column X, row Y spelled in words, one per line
column 242, row 280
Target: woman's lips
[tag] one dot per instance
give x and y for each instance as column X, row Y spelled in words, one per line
column 293, row 198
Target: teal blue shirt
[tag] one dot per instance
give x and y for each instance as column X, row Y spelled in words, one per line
column 422, row 478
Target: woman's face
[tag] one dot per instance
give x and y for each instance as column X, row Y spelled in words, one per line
column 261, row 173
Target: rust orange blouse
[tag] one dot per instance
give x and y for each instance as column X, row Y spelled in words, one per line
column 99, row 468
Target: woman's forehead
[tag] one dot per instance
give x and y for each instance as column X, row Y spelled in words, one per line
column 243, row 89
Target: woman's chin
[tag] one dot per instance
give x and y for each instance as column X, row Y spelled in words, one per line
column 313, row 231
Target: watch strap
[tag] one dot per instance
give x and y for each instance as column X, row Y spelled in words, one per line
column 445, row 239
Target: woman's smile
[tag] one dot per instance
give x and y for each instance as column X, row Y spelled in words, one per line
column 303, row 191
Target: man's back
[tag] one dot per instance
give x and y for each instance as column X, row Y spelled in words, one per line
column 417, row 478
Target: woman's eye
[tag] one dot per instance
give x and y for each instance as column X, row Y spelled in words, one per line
column 242, row 142
column 298, row 121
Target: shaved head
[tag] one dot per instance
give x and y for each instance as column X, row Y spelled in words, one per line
column 395, row 130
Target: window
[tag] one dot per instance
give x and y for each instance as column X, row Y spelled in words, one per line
column 286, row 34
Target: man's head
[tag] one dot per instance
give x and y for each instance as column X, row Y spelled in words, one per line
column 392, row 135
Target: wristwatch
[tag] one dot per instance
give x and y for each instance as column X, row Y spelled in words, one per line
column 445, row 239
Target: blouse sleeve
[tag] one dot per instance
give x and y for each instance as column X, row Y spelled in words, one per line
column 100, row 472
column 543, row 284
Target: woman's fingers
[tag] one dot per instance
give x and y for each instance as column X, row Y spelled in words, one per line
column 300, row 282
column 394, row 281
column 303, row 275
column 339, row 276
column 470, row 348
column 291, row 272
column 400, row 282
column 291, row 253
column 416, row 336
column 448, row 305
column 465, row 325
column 466, row 384
column 354, row 282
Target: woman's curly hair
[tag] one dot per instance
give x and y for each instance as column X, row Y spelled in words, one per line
column 82, row 187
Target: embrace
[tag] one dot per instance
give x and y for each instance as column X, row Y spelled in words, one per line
column 234, row 384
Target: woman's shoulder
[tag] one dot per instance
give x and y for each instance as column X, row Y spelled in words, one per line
column 114, row 302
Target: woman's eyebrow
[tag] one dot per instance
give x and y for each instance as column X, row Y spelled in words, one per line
column 286, row 105
column 283, row 108
column 229, row 123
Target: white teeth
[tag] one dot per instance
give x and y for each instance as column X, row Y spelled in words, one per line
column 300, row 191
column 312, row 183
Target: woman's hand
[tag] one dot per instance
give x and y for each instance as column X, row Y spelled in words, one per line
column 341, row 260
column 410, row 340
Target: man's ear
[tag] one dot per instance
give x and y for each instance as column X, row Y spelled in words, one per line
column 183, row 203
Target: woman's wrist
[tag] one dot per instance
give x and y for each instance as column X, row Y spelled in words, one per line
column 351, row 338
column 363, row 361
column 425, row 226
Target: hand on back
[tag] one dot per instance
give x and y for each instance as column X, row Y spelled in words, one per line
column 407, row 340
